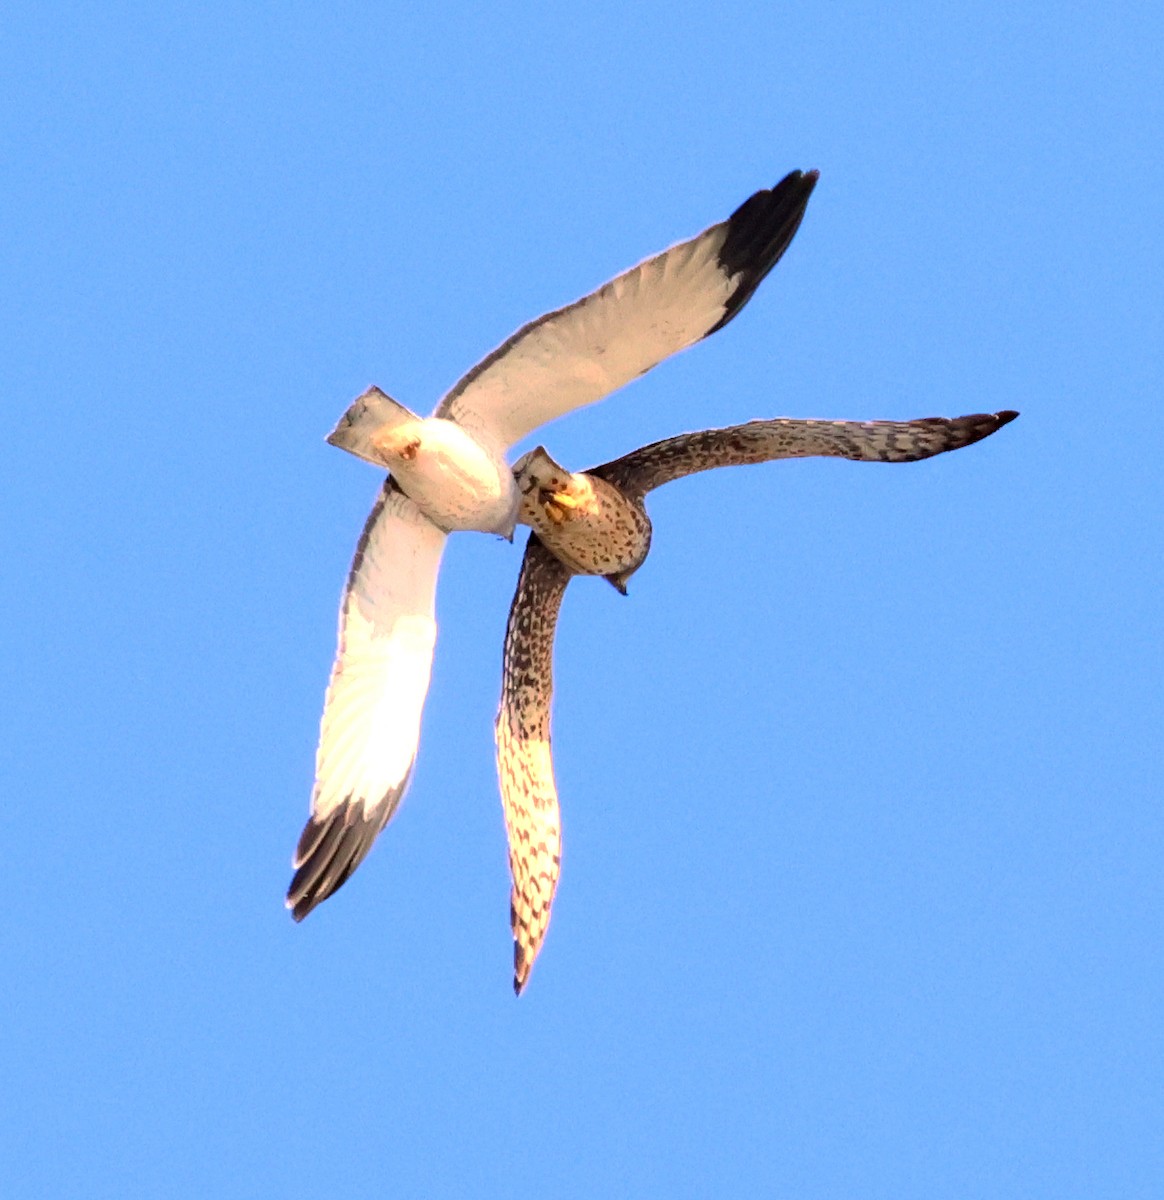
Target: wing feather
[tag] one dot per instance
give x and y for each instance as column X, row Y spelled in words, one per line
column 524, row 763
column 576, row 355
column 762, row 441
column 371, row 718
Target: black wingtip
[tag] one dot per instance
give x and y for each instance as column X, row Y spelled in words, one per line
column 980, row 426
column 521, row 965
column 759, row 232
column 521, row 970
column 965, row 431
column 329, row 850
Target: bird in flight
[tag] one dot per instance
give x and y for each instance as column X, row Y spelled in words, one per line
column 448, row 472
column 595, row 523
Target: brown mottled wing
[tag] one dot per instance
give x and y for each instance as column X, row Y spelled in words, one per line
column 525, row 766
column 762, row 441
column 578, row 354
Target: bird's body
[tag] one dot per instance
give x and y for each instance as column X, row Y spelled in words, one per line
column 592, row 527
column 459, row 479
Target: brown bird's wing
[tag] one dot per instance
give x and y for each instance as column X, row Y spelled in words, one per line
column 762, row 441
column 525, row 765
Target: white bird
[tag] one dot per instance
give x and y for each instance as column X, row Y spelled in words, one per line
column 448, row 472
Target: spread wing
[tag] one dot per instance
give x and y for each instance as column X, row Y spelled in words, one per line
column 579, row 354
column 371, row 718
column 525, row 766
column 762, row 441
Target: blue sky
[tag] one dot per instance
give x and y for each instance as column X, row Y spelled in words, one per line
column 861, row 785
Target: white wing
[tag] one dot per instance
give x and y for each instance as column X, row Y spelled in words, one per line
column 371, row 718
column 581, row 353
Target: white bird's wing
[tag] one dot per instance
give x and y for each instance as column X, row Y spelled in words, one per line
column 525, row 766
column 578, row 354
column 371, row 718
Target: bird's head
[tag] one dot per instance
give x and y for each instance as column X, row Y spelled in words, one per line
column 537, row 471
column 548, row 491
column 379, row 430
column 399, row 445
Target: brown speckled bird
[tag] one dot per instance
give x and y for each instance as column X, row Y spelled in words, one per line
column 595, row 523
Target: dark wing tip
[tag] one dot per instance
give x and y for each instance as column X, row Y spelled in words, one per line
column 758, row 233
column 521, row 969
column 969, row 430
column 329, row 850
column 941, row 434
column 522, row 962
